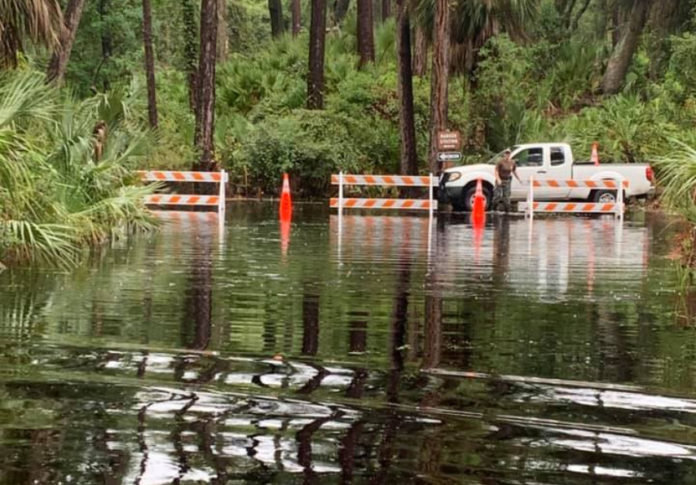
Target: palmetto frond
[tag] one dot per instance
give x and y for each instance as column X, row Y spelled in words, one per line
column 53, row 195
column 40, row 21
column 473, row 22
column 678, row 176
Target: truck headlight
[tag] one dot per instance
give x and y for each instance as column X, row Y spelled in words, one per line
column 454, row 176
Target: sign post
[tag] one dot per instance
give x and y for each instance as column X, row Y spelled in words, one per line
column 449, row 146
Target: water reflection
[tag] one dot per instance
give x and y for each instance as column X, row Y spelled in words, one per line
column 552, row 356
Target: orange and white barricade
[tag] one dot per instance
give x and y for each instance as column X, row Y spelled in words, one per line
column 617, row 208
column 342, row 180
column 217, row 201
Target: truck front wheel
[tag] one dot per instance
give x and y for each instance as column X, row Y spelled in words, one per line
column 466, row 201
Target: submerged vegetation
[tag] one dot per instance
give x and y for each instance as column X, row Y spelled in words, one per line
column 54, row 194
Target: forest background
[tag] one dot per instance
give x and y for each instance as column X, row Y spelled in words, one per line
column 618, row 72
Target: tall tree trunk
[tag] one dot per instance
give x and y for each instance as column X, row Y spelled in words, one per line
column 439, row 78
column 275, row 10
column 205, row 107
column 188, row 14
column 662, row 20
column 407, row 128
column 386, row 9
column 420, row 52
column 366, row 41
column 149, row 64
column 103, row 9
column 617, row 17
column 620, row 59
column 296, row 8
column 578, row 15
column 196, row 326
column 317, row 37
column 222, row 37
column 310, row 323
column 340, row 9
column 59, row 60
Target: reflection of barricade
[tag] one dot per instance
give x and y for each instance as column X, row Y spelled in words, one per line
column 217, row 201
column 616, row 208
column 342, row 180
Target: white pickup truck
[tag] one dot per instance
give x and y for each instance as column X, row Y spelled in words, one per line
column 543, row 161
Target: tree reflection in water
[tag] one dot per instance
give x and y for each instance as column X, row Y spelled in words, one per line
column 497, row 394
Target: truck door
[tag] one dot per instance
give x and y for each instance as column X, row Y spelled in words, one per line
column 542, row 163
column 530, row 162
column 559, row 168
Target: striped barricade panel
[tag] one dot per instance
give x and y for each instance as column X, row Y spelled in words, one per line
column 177, row 199
column 590, row 207
column 589, row 184
column 411, row 204
column 169, row 176
column 185, row 216
column 385, row 180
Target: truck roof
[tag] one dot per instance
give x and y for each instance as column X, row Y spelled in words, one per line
column 542, row 144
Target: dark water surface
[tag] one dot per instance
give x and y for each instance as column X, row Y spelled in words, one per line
column 560, row 354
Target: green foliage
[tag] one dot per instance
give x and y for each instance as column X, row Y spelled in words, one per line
column 678, row 176
column 54, row 196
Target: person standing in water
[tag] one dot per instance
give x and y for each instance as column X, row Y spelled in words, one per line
column 504, row 170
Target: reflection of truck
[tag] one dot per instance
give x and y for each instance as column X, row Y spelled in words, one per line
column 544, row 161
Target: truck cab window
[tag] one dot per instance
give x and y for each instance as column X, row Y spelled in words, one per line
column 531, row 157
column 557, row 156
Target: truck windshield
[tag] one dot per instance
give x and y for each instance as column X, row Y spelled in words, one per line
column 499, row 155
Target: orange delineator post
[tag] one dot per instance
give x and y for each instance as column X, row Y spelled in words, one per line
column 478, row 213
column 285, row 199
column 595, row 154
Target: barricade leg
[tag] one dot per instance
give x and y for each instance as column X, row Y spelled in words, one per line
column 221, row 195
column 430, row 212
column 430, row 195
column 530, row 198
column 619, row 200
column 340, row 204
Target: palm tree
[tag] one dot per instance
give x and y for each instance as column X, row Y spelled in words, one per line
column 275, row 12
column 54, row 198
column 474, row 22
column 317, row 39
column 365, row 33
column 296, row 9
column 205, row 84
column 149, row 64
column 37, row 20
column 190, row 33
column 407, row 124
column 439, row 79
column 59, row 61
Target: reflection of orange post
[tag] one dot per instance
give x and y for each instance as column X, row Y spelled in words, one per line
column 285, row 199
column 595, row 153
column 478, row 218
column 285, row 215
column 284, row 235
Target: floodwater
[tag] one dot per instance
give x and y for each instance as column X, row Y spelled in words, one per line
column 561, row 352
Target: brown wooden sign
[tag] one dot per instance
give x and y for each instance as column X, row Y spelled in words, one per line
column 449, row 141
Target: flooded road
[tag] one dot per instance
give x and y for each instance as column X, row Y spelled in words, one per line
column 557, row 353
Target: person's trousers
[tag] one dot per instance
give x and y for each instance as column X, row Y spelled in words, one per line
column 501, row 195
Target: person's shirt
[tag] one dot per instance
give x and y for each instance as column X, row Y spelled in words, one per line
column 505, row 167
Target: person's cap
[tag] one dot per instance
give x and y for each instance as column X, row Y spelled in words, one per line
column 507, row 151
